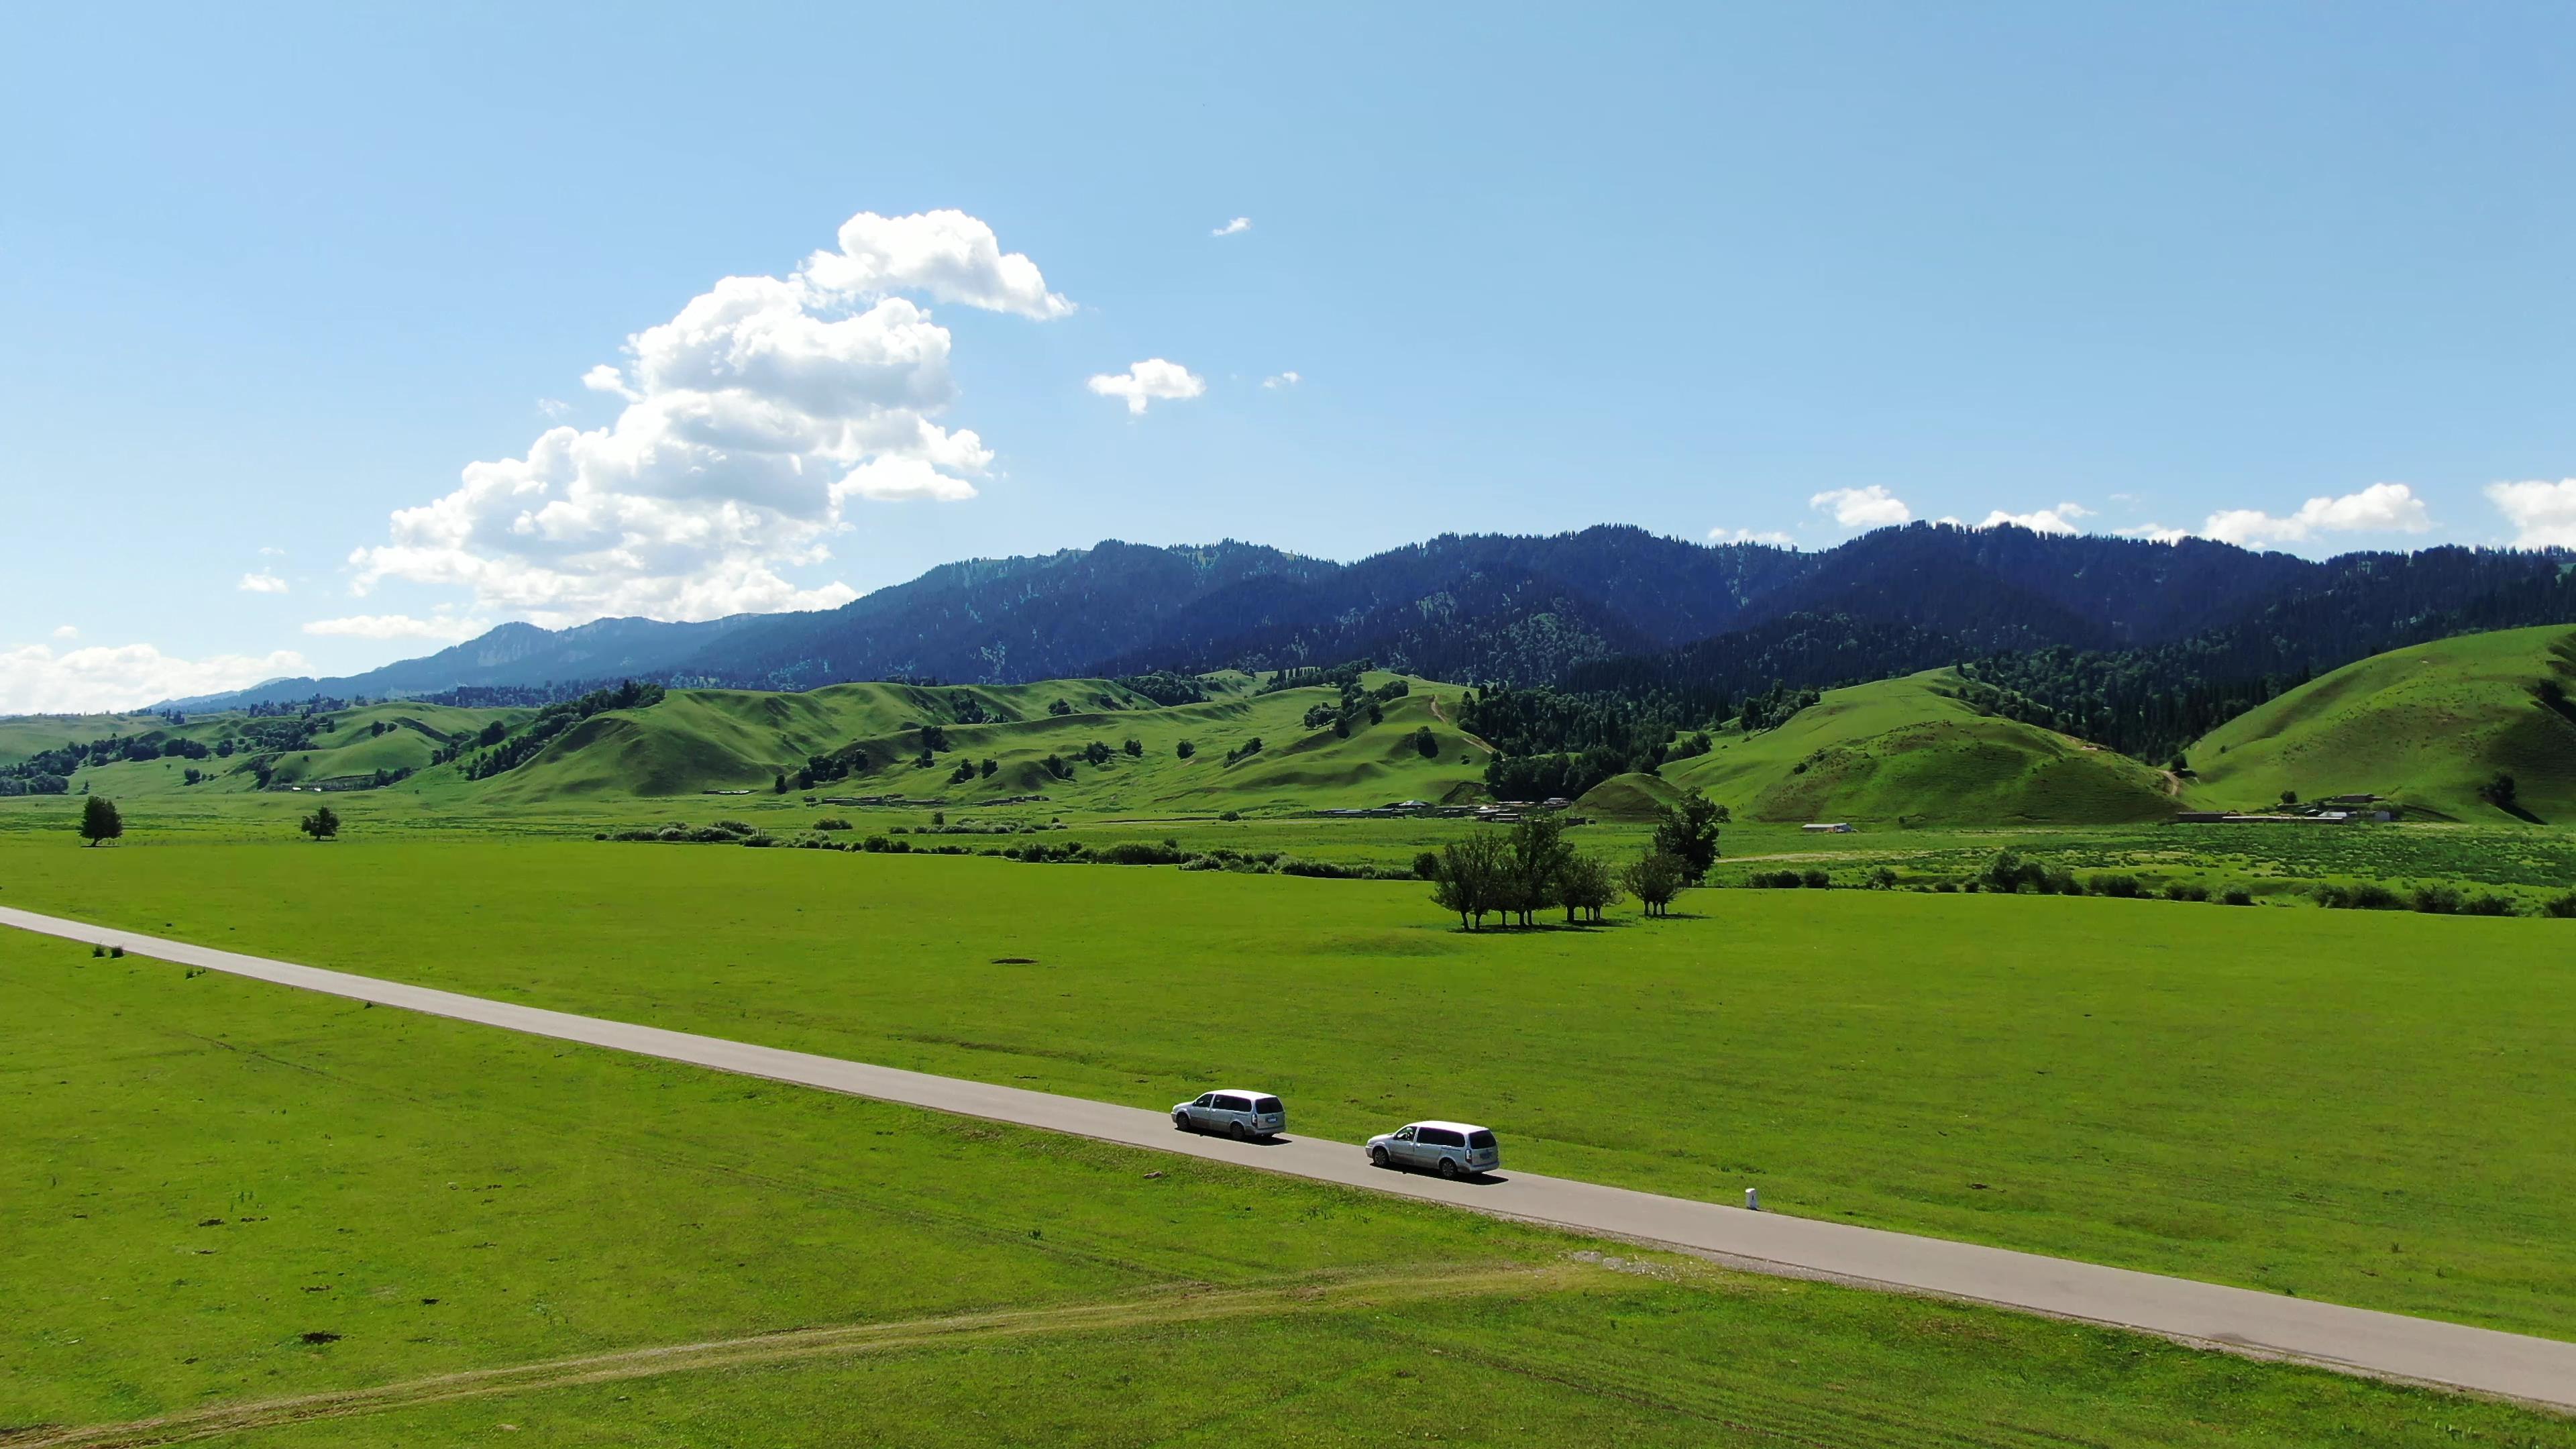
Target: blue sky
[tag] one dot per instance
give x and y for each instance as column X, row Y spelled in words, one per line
column 2294, row 275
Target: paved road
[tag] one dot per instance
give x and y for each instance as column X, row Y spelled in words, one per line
column 2350, row 1339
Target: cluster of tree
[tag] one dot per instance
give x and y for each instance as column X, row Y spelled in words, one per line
column 491, row 734
column 1533, row 867
column 967, row 771
column 1166, row 688
column 1244, row 751
column 1552, row 742
column 306, row 708
column 522, row 746
column 1519, row 874
column 1356, row 703
column 1773, row 707
column 969, row 709
column 1342, row 675
column 34, row 784
column 1057, row 766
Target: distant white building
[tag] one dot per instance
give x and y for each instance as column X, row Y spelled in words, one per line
column 1838, row 827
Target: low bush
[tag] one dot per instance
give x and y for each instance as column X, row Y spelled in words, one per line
column 2491, row 905
column 2119, row 887
column 2237, row 896
column 2560, row 907
column 1137, row 852
column 2185, row 891
column 1815, row 880
column 2435, row 900
column 832, row 822
column 2359, row 898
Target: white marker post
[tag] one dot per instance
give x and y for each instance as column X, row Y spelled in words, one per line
column 1753, row 1199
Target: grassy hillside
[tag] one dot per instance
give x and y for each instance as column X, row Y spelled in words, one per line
column 32, row 734
column 1908, row 749
column 2425, row 726
column 699, row 740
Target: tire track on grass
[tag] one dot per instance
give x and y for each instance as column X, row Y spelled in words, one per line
column 1195, row 1303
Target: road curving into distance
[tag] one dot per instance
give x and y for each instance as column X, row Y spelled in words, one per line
column 2352, row 1340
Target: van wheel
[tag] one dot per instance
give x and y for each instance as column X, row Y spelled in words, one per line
column 1449, row 1168
column 1377, row 1157
column 1181, row 1120
column 1234, row 1130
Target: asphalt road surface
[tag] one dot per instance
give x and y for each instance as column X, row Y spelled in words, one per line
column 2351, row 1339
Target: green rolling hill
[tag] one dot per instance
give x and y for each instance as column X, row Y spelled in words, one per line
column 2426, row 727
column 868, row 739
column 1909, row 749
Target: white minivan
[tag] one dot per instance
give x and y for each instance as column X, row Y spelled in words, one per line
column 1238, row 1114
column 1452, row 1149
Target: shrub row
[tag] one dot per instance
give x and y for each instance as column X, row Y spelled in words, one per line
column 2434, row 900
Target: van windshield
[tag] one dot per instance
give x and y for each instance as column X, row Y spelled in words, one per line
column 1266, row 1105
column 1480, row 1139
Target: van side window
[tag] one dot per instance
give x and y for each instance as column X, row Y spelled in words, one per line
column 1441, row 1137
column 1404, row 1134
column 1204, row 1099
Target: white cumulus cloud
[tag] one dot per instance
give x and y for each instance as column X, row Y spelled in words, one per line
column 1235, row 227
column 948, row 254
column 2154, row 533
column 2379, row 508
column 399, row 626
column 262, row 583
column 2060, row 519
column 1282, row 379
column 2543, row 514
column 67, row 631
column 37, row 680
column 1773, row 537
column 754, row 419
column 1148, row 381
column 1870, row 507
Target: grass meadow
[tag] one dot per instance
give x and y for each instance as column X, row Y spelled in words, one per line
column 2342, row 1105
column 273, row 1218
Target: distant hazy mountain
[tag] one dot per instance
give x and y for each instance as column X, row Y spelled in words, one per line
column 1610, row 607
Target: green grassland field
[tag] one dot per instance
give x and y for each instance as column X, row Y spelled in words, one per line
column 246, row 1215
column 2336, row 1104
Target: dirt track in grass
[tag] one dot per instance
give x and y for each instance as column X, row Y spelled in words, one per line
column 1174, row 1305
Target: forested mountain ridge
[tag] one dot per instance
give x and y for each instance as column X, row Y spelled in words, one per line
column 2136, row 644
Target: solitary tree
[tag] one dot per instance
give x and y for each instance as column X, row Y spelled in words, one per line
column 1583, row 884
column 1471, row 879
column 1686, row 830
column 322, row 824
column 1654, row 878
column 99, row 820
column 1538, row 857
column 1185, row 749
column 1135, row 749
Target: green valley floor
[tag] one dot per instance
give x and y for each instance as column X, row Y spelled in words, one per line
column 247, row 1215
column 2337, row 1105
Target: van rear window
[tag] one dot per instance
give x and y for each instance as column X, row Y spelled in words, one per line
column 1480, row 1139
column 1267, row 1105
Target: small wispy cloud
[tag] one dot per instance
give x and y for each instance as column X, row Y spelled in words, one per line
column 1144, row 382
column 67, row 632
column 1236, row 227
column 554, row 407
column 1773, row 537
column 1283, row 379
column 262, row 584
